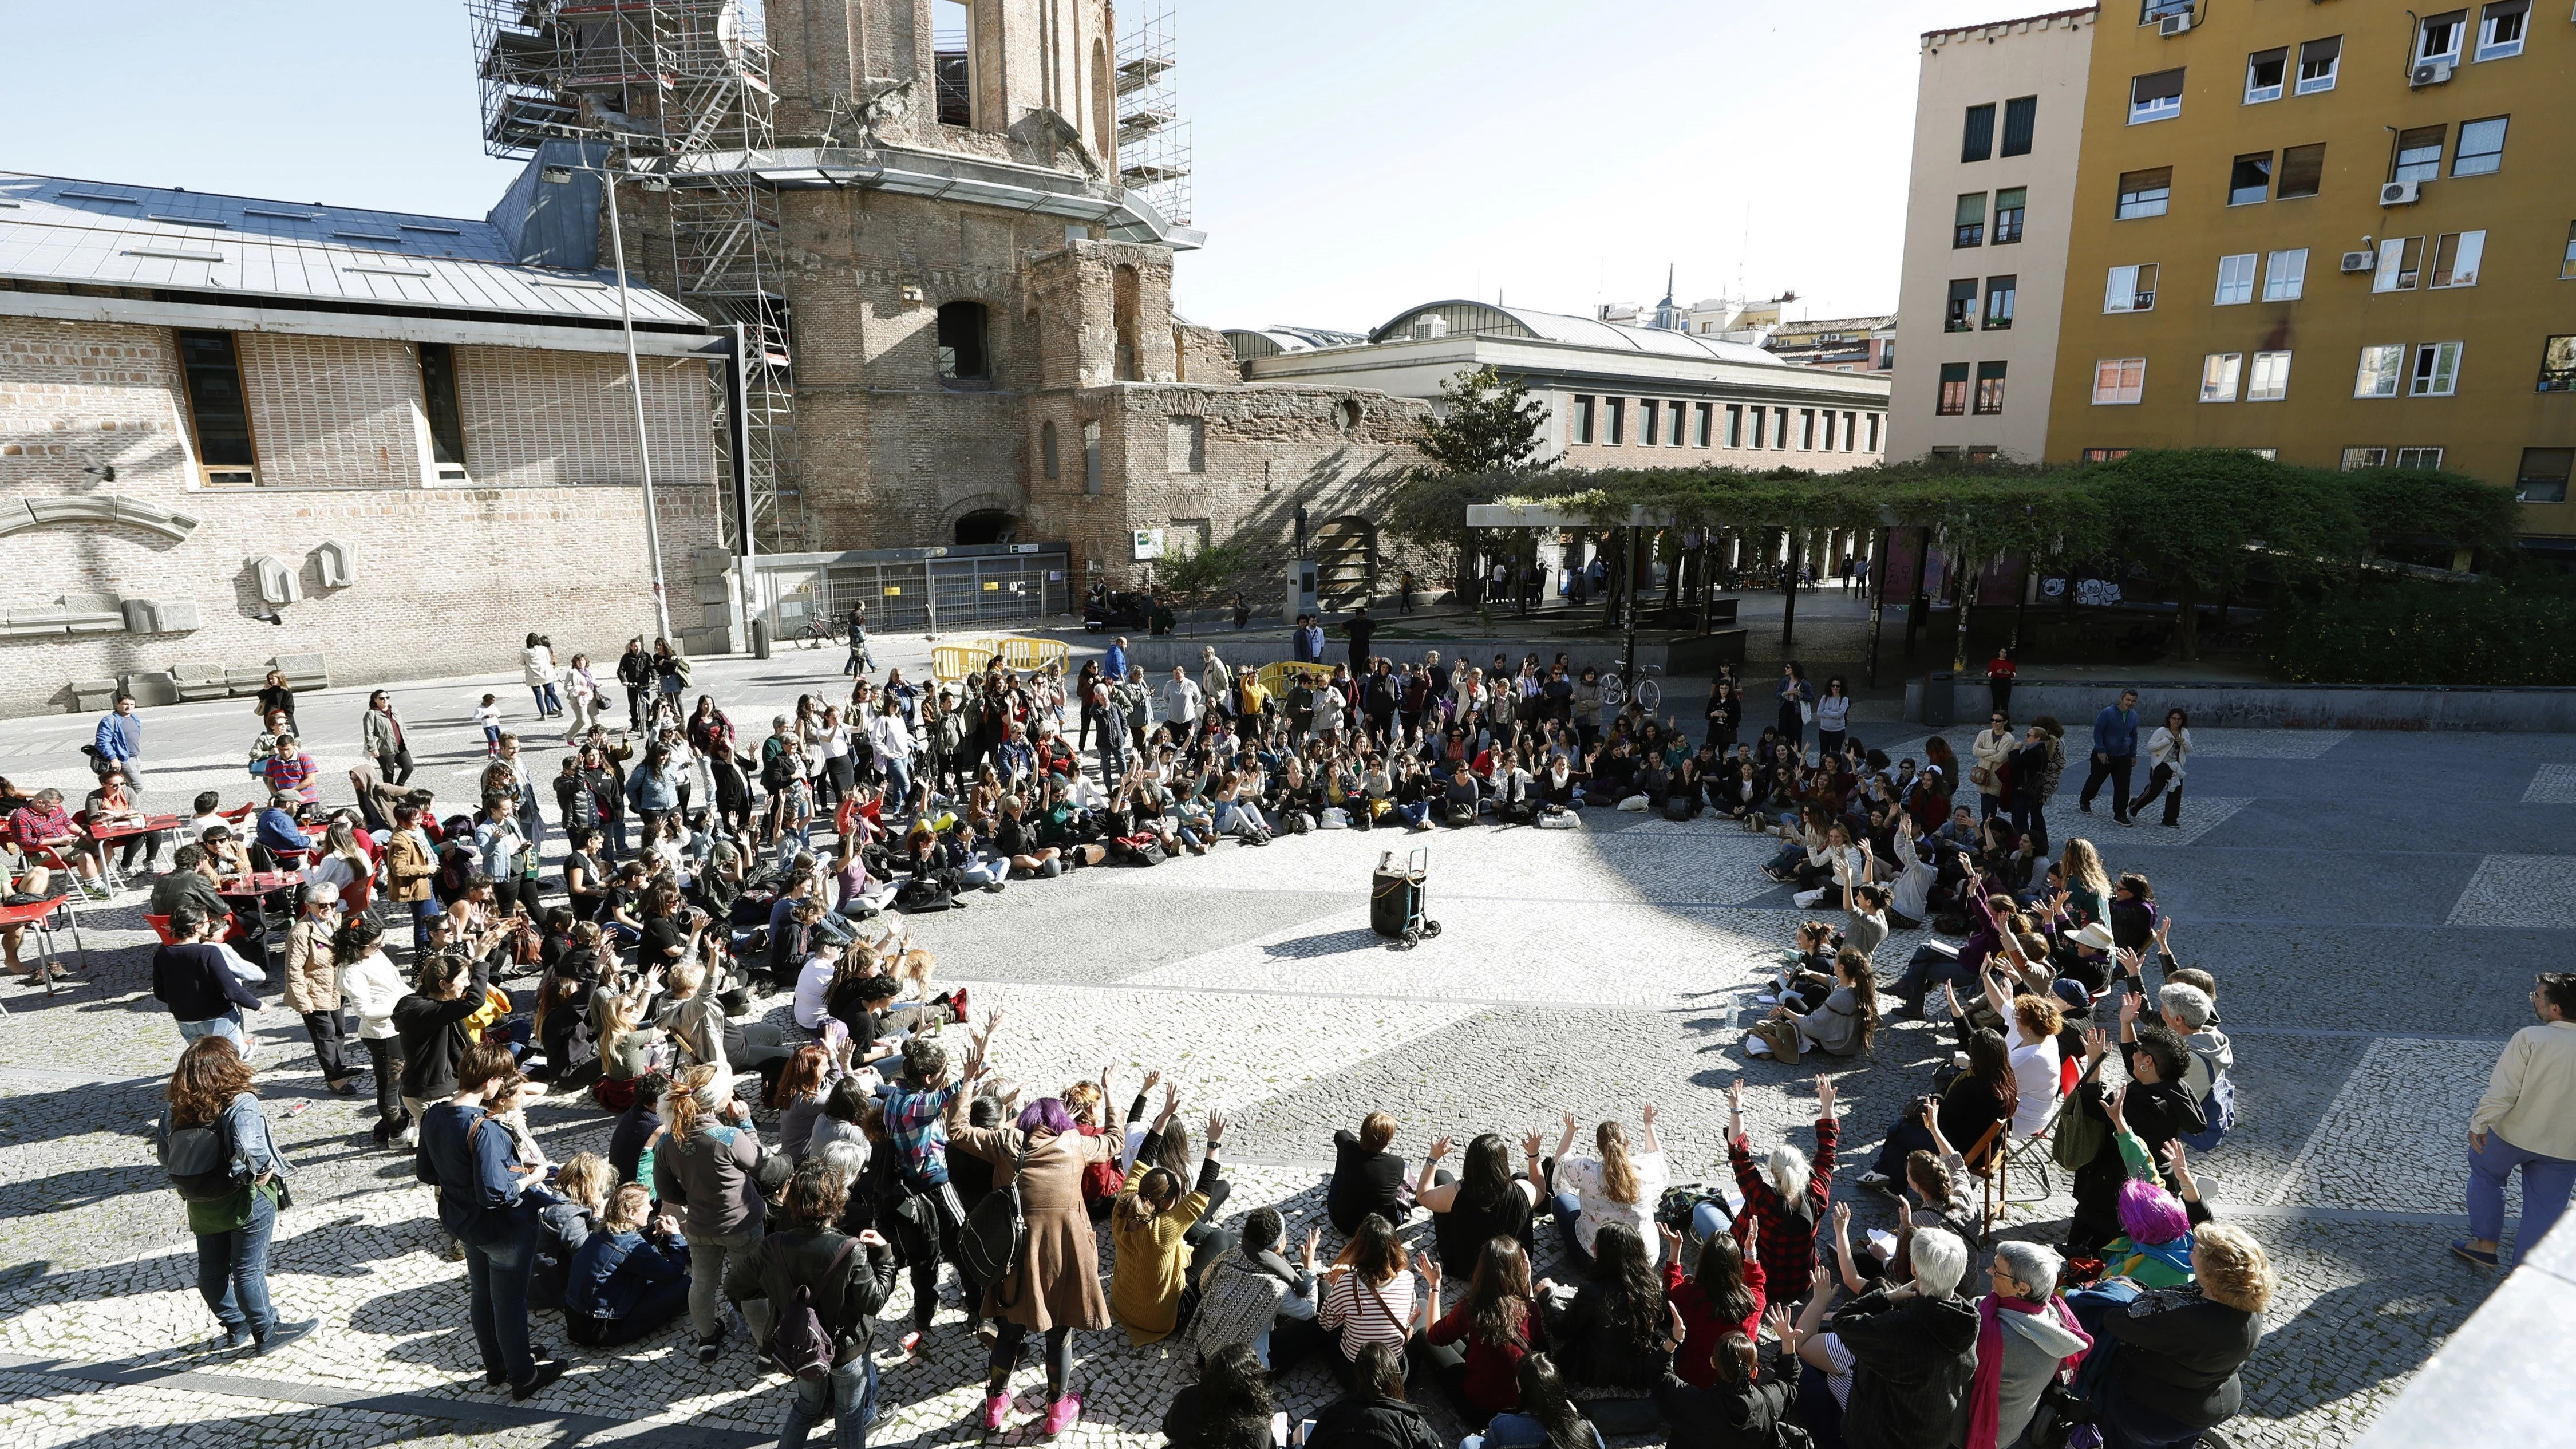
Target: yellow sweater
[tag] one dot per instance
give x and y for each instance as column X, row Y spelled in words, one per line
column 1153, row 1265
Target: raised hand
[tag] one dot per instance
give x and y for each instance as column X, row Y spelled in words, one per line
column 1735, row 1096
column 1533, row 1142
column 2129, row 1003
column 1439, row 1149
column 1314, row 1245
column 1842, row 1219
column 1215, row 1126
column 1672, row 1240
column 2094, row 1044
column 1648, row 1114
column 1570, row 1127
column 1824, row 1098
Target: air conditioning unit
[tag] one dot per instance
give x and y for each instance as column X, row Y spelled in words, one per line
column 2430, row 73
column 2174, row 24
column 2401, row 193
column 2356, row 261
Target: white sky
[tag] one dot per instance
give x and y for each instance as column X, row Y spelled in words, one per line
column 1354, row 157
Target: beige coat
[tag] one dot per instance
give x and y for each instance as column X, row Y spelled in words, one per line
column 1990, row 750
column 312, row 976
column 1058, row 1277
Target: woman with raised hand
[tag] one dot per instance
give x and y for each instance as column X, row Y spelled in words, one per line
column 1787, row 1196
column 1476, row 1348
column 1487, row 1200
column 1614, row 1185
column 1149, row 1228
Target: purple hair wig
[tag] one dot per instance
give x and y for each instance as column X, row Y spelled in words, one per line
column 1046, row 1114
column 2151, row 1215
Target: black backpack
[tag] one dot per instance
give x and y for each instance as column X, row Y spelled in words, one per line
column 800, row 1346
column 990, row 1242
column 213, row 1165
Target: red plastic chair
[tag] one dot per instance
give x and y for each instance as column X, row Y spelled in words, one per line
column 160, row 926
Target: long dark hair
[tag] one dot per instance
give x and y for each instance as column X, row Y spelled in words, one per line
column 1990, row 1061
column 1235, row 1392
column 1543, row 1397
column 1636, row 1294
column 1485, row 1174
column 1498, row 1296
column 1721, row 1279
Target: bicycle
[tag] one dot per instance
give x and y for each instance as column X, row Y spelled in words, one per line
column 819, row 630
column 1649, row 693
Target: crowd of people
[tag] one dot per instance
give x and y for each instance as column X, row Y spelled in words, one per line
column 790, row 1174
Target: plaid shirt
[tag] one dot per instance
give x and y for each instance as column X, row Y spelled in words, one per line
column 917, row 1124
column 1785, row 1243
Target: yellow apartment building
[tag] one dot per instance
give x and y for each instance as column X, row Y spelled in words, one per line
column 2333, row 230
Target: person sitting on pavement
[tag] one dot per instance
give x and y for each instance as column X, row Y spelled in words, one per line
column 2180, row 1349
column 1741, row 1406
column 1911, row 1349
column 1372, row 1412
column 1613, row 1186
column 2026, row 1338
column 629, row 1278
column 1368, row 1177
column 1783, row 1202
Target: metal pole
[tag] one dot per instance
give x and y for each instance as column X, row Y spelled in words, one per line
column 747, row 592
column 635, row 385
column 1789, row 585
column 1628, row 609
column 1877, row 599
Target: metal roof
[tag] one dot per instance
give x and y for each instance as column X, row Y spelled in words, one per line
column 1466, row 317
column 112, row 235
column 1251, row 342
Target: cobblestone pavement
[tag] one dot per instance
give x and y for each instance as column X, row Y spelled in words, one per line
column 2373, row 947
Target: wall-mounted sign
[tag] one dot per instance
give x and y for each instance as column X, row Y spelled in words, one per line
column 1149, row 544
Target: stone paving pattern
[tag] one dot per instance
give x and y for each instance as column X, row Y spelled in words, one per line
column 2371, row 950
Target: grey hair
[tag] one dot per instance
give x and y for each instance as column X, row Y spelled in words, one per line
column 1789, row 1171
column 2185, row 1003
column 320, row 893
column 846, row 1159
column 2034, row 1266
column 1940, row 1261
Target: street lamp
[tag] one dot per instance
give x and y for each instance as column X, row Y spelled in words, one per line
column 561, row 174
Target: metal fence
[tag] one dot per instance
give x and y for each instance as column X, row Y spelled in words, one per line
column 928, row 594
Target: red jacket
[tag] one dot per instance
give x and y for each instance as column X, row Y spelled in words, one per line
column 1493, row 1369
column 1696, row 1361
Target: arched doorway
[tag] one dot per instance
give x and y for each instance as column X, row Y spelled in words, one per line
column 1345, row 561
column 986, row 525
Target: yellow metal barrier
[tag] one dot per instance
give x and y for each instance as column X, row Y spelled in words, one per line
column 1274, row 677
column 955, row 660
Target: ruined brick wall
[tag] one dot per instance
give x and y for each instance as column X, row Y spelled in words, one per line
column 1202, row 355
column 448, row 578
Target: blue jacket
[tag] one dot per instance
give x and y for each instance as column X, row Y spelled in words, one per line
column 649, row 791
column 1115, row 663
column 614, row 1270
column 479, row 1197
column 2115, row 732
column 120, row 736
column 278, row 831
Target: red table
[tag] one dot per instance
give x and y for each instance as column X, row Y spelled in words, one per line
column 256, row 888
column 40, row 915
column 106, row 835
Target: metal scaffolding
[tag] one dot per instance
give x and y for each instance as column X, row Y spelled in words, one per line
column 1153, row 137
column 679, row 90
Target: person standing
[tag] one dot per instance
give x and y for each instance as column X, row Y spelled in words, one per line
column 537, row 668
column 380, row 734
column 706, row 1165
column 635, row 671
column 1183, row 703
column 2166, row 749
column 213, row 1142
column 1999, row 679
column 1359, row 629
column 277, row 697
column 582, row 689
column 1797, row 703
column 371, row 986
column 1992, row 750
column 860, row 661
column 844, row 1280
column 2115, row 754
column 1833, row 718
column 489, row 1202
column 1053, row 1287
column 313, row 983
column 1114, row 663
column 2527, row 1119
column 198, row 981
column 119, row 744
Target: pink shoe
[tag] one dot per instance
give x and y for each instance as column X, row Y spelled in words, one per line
column 1063, row 1414
column 995, row 1409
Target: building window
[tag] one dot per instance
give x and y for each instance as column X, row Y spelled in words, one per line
column 1961, row 314
column 1091, row 459
column 2500, row 28
column 2439, row 37
column 1185, row 445
column 1829, row 430
column 2151, row 11
column 1646, row 420
column 2437, row 370
column 2269, row 379
column 1735, row 425
column 1851, row 431
column 2156, row 97
column 2303, row 171
column 2021, row 118
column 2317, row 62
column 2381, row 363
column 2001, row 294
column 1673, row 429
column 2250, row 179
column 2401, row 264
column 2355, row 459
column 1873, row 432
column 2481, row 147
column 1990, row 389
column 438, row 404
column 1780, row 429
column 1617, row 410
column 1978, row 142
column 1761, row 427
column 2008, row 211
column 2131, row 289
column 2145, row 193
column 1887, row 355
column 2456, row 257
column 961, row 343
column 2425, row 459
column 1953, row 402
column 1582, row 419
column 2119, row 380
column 2235, row 280
column 1806, row 430
column 2542, row 478
column 2419, row 153
column 1047, row 462
column 2218, row 375
column 952, row 61
column 2285, row 275
column 218, row 408
column 2567, row 258
column 2104, row 455
column 2558, row 364
column 1970, row 229
column 1703, row 420
column 2264, row 72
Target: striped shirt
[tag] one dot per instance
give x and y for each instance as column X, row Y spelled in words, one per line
column 1368, row 1312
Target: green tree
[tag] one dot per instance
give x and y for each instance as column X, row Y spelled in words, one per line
column 1486, row 429
column 2202, row 518
column 1207, row 577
